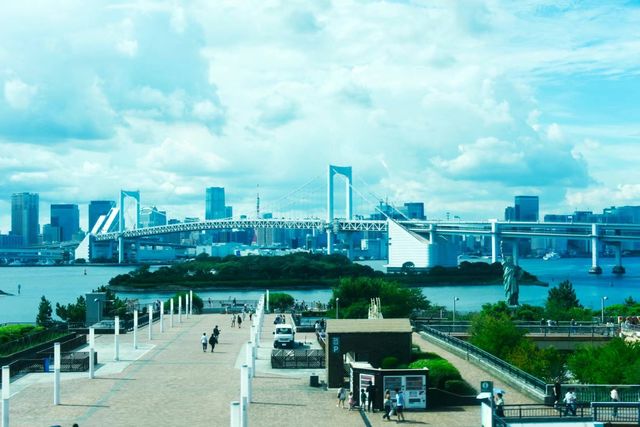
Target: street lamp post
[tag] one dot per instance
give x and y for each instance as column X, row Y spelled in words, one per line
column 603, row 299
column 337, row 307
column 454, row 312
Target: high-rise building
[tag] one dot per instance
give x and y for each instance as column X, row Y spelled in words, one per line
column 152, row 217
column 67, row 218
column 510, row 213
column 25, row 212
column 527, row 208
column 97, row 208
column 214, row 203
column 415, row 210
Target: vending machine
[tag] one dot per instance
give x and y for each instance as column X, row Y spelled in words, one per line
column 414, row 387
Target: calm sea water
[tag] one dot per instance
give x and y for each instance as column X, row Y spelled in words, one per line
column 65, row 284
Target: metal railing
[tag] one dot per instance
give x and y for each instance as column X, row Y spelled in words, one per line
column 31, row 339
column 627, row 412
column 290, row 359
column 563, row 329
column 471, row 350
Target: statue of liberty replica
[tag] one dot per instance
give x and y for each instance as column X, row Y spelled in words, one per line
column 511, row 273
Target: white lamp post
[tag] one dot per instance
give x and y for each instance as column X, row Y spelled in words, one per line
column 454, row 312
column 337, row 307
column 603, row 299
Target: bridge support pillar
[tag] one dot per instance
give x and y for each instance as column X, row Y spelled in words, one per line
column 120, row 250
column 618, row 268
column 495, row 241
column 595, row 249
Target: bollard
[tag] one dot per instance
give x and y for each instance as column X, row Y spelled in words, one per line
column 150, row 321
column 245, row 384
column 191, row 303
column 92, row 352
column 6, row 393
column 254, row 351
column 244, row 412
column 171, row 315
column 135, row 329
column 180, row 309
column 267, row 300
column 56, row 373
column 234, row 412
column 116, row 338
column 161, row 316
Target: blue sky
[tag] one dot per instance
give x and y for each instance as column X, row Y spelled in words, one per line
column 461, row 105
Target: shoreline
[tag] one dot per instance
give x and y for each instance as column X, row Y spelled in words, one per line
column 308, row 286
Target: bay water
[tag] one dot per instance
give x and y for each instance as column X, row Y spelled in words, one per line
column 65, row 284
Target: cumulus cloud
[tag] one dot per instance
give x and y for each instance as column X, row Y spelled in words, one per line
column 18, row 94
column 441, row 102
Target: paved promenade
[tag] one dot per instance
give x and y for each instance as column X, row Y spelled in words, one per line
column 170, row 381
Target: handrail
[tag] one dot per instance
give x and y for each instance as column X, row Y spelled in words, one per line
column 487, row 357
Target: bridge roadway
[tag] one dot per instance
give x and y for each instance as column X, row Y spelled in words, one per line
column 170, row 381
column 505, row 229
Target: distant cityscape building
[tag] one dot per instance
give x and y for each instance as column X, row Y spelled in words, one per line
column 25, row 212
column 97, row 208
column 67, row 218
column 50, row 233
column 415, row 210
column 510, row 213
column 215, row 207
column 152, row 217
column 527, row 208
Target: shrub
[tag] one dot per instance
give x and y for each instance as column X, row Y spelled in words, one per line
column 440, row 371
column 459, row 387
column 389, row 362
column 417, row 355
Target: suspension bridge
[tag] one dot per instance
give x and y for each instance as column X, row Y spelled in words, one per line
column 422, row 243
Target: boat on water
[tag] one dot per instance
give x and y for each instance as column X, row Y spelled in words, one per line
column 551, row 256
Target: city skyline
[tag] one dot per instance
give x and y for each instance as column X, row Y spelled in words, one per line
column 460, row 105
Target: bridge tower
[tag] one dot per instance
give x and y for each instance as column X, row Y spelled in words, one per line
column 121, row 226
column 347, row 173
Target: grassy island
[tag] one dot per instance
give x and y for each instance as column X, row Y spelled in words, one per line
column 299, row 270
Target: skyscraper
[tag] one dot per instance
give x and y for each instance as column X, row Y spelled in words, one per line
column 214, row 203
column 415, row 210
column 97, row 208
column 527, row 208
column 25, row 211
column 67, row 218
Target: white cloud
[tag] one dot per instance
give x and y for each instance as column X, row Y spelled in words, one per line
column 127, row 47
column 19, row 94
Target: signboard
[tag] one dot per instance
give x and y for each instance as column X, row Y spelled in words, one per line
column 335, row 345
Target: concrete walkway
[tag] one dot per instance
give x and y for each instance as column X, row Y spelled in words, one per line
column 169, row 381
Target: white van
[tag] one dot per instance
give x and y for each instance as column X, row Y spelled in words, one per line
column 284, row 336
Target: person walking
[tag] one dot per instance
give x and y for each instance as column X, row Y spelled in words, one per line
column 570, row 402
column 615, row 398
column 239, row 320
column 213, row 340
column 400, row 405
column 342, row 396
column 371, row 394
column 203, row 341
column 387, row 405
column 233, row 320
column 363, row 399
column 216, row 332
column 499, row 405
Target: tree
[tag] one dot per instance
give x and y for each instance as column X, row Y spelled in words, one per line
column 397, row 301
column 281, row 301
column 562, row 302
column 73, row 312
column 614, row 363
column 44, row 312
column 495, row 334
